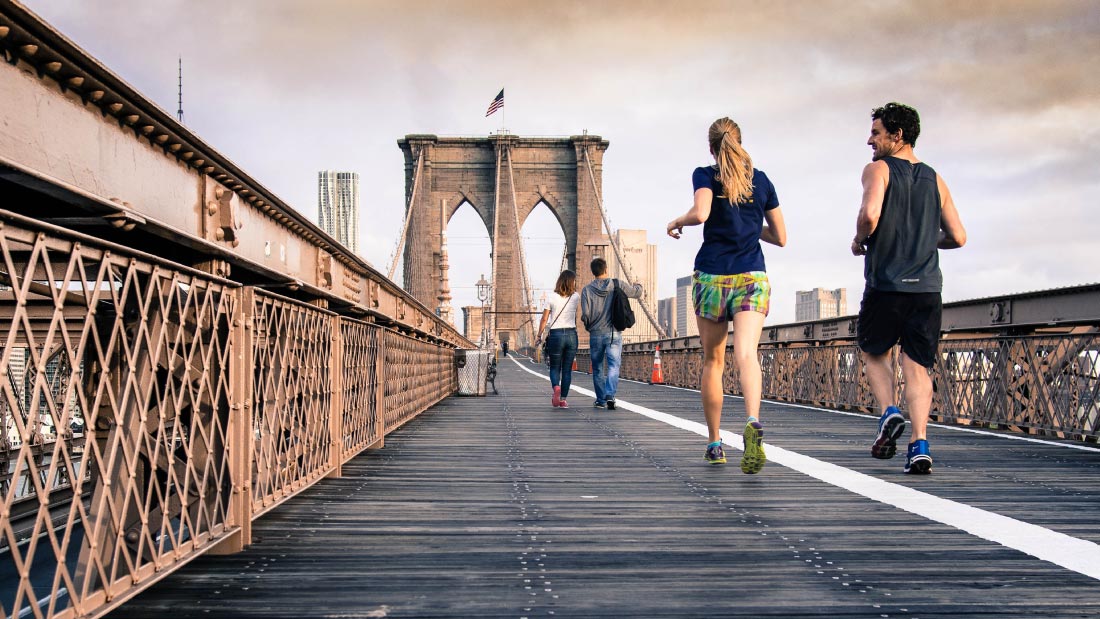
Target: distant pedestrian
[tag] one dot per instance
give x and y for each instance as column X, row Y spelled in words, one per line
column 504, row 347
column 732, row 201
column 907, row 215
column 559, row 326
column 605, row 343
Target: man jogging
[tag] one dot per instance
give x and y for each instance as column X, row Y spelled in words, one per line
column 907, row 215
column 604, row 342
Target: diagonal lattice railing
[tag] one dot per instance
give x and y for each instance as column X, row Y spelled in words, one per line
column 417, row 376
column 132, row 354
column 149, row 412
column 1041, row 384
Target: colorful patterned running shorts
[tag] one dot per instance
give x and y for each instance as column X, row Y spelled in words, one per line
column 719, row 297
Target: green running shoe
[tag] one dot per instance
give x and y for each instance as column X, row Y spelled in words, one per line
column 753, row 459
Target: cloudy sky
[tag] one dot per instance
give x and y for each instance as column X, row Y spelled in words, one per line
column 1009, row 96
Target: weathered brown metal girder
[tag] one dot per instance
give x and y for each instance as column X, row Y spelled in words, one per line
column 78, row 133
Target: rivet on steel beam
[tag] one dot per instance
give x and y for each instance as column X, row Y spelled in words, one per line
column 175, row 147
column 208, row 169
column 162, row 138
column 29, row 50
column 4, row 30
column 52, row 67
column 95, row 95
column 198, row 163
column 75, row 82
column 131, row 118
column 114, row 108
column 221, row 176
column 147, row 129
column 187, row 155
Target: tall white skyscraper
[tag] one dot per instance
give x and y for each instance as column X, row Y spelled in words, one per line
column 338, row 206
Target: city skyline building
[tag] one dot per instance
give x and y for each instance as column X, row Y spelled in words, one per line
column 820, row 303
column 641, row 258
column 685, row 308
column 666, row 316
column 338, row 206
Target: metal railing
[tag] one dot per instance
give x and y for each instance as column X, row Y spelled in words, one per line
column 1038, row 380
column 201, row 405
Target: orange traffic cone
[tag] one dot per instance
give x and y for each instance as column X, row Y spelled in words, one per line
column 574, row 364
column 657, row 378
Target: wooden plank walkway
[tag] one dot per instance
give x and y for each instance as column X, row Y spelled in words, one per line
column 504, row 507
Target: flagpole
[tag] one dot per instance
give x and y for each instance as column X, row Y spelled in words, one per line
column 502, row 117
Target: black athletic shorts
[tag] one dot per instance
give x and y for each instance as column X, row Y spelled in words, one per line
column 910, row 317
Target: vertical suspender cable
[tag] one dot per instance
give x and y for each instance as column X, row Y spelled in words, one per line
column 618, row 253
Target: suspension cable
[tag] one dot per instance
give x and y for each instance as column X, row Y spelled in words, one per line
column 408, row 216
column 618, row 253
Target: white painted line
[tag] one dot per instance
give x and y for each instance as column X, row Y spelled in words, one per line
column 951, row 427
column 1081, row 556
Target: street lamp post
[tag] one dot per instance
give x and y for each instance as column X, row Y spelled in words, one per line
column 484, row 289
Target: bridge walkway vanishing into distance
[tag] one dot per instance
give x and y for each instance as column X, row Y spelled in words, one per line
column 505, row 507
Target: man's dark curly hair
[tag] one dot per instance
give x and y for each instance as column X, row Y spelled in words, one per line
column 896, row 116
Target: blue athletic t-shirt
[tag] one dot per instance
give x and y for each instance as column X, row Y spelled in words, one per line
column 731, row 235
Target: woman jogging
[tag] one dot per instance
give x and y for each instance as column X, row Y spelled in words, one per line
column 732, row 201
column 561, row 343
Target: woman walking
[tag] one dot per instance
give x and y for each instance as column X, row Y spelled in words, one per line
column 733, row 201
column 561, row 342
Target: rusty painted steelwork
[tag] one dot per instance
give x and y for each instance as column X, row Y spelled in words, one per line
column 149, row 412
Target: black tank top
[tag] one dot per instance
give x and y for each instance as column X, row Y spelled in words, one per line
column 901, row 254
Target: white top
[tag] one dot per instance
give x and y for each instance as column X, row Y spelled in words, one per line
column 563, row 318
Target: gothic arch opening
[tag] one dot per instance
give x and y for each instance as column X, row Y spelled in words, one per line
column 469, row 254
column 544, row 246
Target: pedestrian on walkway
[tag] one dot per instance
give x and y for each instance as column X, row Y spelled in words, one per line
column 605, row 343
column 906, row 217
column 732, row 201
column 561, row 340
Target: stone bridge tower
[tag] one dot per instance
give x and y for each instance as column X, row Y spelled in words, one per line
column 503, row 177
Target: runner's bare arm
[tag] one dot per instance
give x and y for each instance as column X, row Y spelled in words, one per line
column 697, row 214
column 775, row 230
column 876, row 176
column 952, row 233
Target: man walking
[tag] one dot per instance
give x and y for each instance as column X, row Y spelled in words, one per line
column 907, row 215
column 604, row 342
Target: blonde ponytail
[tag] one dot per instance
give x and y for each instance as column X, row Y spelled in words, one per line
column 734, row 164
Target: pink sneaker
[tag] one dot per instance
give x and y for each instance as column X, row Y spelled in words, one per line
column 563, row 404
column 556, row 400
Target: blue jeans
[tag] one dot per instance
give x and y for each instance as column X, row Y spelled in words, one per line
column 561, row 347
column 605, row 347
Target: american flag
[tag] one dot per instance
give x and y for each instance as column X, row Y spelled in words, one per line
column 497, row 103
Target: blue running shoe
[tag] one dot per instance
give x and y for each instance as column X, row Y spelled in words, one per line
column 919, row 460
column 890, row 427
